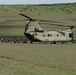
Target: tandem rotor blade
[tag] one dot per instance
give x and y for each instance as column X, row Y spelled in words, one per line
column 13, row 20
column 49, row 21
column 27, row 17
column 2, row 22
column 53, row 24
column 69, row 26
column 31, row 19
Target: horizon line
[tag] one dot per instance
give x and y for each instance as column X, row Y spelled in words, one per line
column 39, row 3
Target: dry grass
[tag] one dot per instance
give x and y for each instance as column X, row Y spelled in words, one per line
column 37, row 59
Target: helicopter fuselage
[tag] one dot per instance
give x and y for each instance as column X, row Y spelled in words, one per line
column 35, row 33
column 50, row 36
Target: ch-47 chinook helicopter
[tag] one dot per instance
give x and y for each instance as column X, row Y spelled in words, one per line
column 35, row 33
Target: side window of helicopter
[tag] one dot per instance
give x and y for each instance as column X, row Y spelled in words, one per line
column 36, row 34
column 49, row 35
column 43, row 35
column 33, row 35
column 35, row 29
column 57, row 35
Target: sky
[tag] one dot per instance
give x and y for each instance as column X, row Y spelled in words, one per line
column 35, row 1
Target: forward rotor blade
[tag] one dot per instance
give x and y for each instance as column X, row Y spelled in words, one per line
column 70, row 26
column 54, row 24
column 13, row 20
column 49, row 21
column 26, row 17
column 31, row 19
column 2, row 22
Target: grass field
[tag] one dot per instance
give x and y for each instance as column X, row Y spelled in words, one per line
column 37, row 59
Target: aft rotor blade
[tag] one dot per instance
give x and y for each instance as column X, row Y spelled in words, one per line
column 71, row 27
